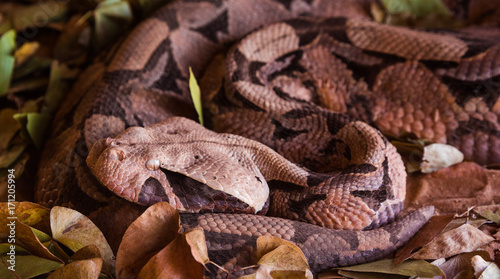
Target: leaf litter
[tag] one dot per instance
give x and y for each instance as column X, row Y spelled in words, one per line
column 26, row 68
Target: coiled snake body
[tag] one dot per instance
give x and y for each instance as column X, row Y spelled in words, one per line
column 293, row 85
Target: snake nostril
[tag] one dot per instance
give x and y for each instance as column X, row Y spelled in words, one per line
column 116, row 154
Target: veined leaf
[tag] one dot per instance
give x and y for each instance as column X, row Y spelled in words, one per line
column 194, row 88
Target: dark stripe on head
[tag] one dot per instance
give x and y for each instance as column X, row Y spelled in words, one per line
column 198, row 197
column 152, row 192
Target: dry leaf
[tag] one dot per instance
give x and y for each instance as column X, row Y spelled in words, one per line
column 76, row 231
column 114, row 219
column 28, row 267
column 31, row 214
column 460, row 265
column 196, row 240
column 153, row 230
column 465, row 238
column 90, row 268
column 25, row 237
column 454, row 189
column 173, row 261
column 490, row 212
column 278, row 258
column 369, row 275
column 87, row 252
column 484, row 269
column 407, row 268
column 426, row 234
column 8, row 128
column 438, row 156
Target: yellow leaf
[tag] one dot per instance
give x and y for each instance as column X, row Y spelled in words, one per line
column 26, row 51
column 279, row 258
column 195, row 95
column 196, row 240
column 76, row 231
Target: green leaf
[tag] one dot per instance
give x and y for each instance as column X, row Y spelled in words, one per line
column 32, row 65
column 112, row 18
column 42, row 237
column 5, row 248
column 148, row 6
column 195, row 95
column 58, row 86
column 28, row 267
column 7, row 61
column 35, row 125
column 8, row 43
column 408, row 268
column 418, row 8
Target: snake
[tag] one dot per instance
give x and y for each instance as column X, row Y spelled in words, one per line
column 297, row 96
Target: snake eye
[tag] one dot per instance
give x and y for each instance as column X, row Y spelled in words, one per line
column 153, row 164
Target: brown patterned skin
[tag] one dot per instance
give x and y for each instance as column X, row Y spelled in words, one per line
column 137, row 165
column 398, row 80
column 231, row 239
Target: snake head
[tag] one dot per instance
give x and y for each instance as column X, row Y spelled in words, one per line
column 127, row 171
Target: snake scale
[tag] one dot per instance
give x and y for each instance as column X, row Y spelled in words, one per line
column 303, row 80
